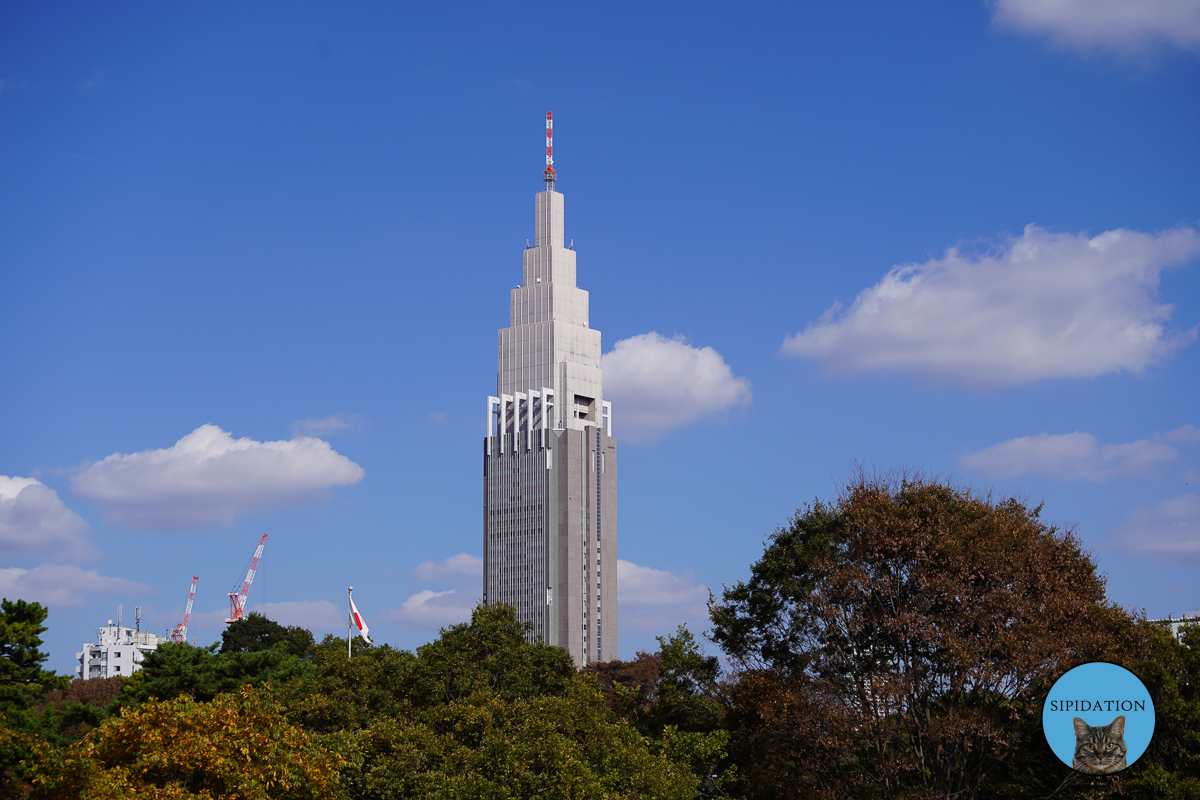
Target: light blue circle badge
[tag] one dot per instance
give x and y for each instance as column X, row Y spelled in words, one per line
column 1098, row 718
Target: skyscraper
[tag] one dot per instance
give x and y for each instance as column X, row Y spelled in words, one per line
column 550, row 461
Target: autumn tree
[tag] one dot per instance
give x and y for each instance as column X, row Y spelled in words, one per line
column 892, row 644
column 236, row 746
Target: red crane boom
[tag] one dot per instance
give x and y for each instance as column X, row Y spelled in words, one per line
column 237, row 600
column 179, row 632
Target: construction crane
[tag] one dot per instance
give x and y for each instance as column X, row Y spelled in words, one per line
column 179, row 632
column 237, row 600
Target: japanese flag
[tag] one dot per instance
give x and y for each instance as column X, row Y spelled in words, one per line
column 359, row 621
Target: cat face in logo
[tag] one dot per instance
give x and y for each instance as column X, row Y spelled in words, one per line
column 1100, row 749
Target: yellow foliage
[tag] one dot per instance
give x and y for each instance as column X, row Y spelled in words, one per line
column 237, row 747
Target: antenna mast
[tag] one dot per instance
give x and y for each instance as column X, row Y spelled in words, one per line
column 237, row 600
column 548, row 176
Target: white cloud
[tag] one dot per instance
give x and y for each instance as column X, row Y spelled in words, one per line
column 463, row 565
column 1123, row 25
column 208, row 476
column 430, row 610
column 658, row 384
column 1186, row 434
column 1048, row 305
column 325, row 426
column 1072, row 456
column 655, row 601
column 34, row 522
column 59, row 584
column 1169, row 530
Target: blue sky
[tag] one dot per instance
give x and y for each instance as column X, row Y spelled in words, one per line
column 256, row 258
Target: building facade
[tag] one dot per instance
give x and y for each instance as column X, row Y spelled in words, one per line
column 117, row 652
column 549, row 457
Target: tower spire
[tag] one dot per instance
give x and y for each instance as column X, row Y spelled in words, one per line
column 548, row 176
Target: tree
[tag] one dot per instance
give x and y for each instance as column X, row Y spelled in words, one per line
column 486, row 746
column 490, row 651
column 481, row 713
column 64, row 715
column 22, row 679
column 677, row 686
column 22, row 682
column 341, row 694
column 255, row 632
column 174, row 669
column 238, row 745
column 1170, row 769
column 893, row 644
column 676, row 698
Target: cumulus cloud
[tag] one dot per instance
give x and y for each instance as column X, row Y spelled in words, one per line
column 1122, row 25
column 1169, row 531
column 326, row 426
column 1048, row 305
column 59, row 585
column 34, row 522
column 430, row 610
column 658, row 384
column 1074, row 456
column 208, row 476
column 656, row 601
column 463, row 565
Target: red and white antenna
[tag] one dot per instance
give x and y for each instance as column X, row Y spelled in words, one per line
column 548, row 176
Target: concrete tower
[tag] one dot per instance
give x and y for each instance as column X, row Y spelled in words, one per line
column 550, row 461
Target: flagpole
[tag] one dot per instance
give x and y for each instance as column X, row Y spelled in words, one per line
column 349, row 622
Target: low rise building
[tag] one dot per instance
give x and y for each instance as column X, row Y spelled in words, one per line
column 117, row 652
column 1176, row 625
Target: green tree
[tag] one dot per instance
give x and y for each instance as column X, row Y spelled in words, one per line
column 256, row 632
column 341, row 694
column 64, row 715
column 490, row 651
column 180, row 669
column 676, row 698
column 22, row 683
column 22, row 679
column 1170, row 769
column 237, row 746
column 480, row 713
column 485, row 746
column 893, row 644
